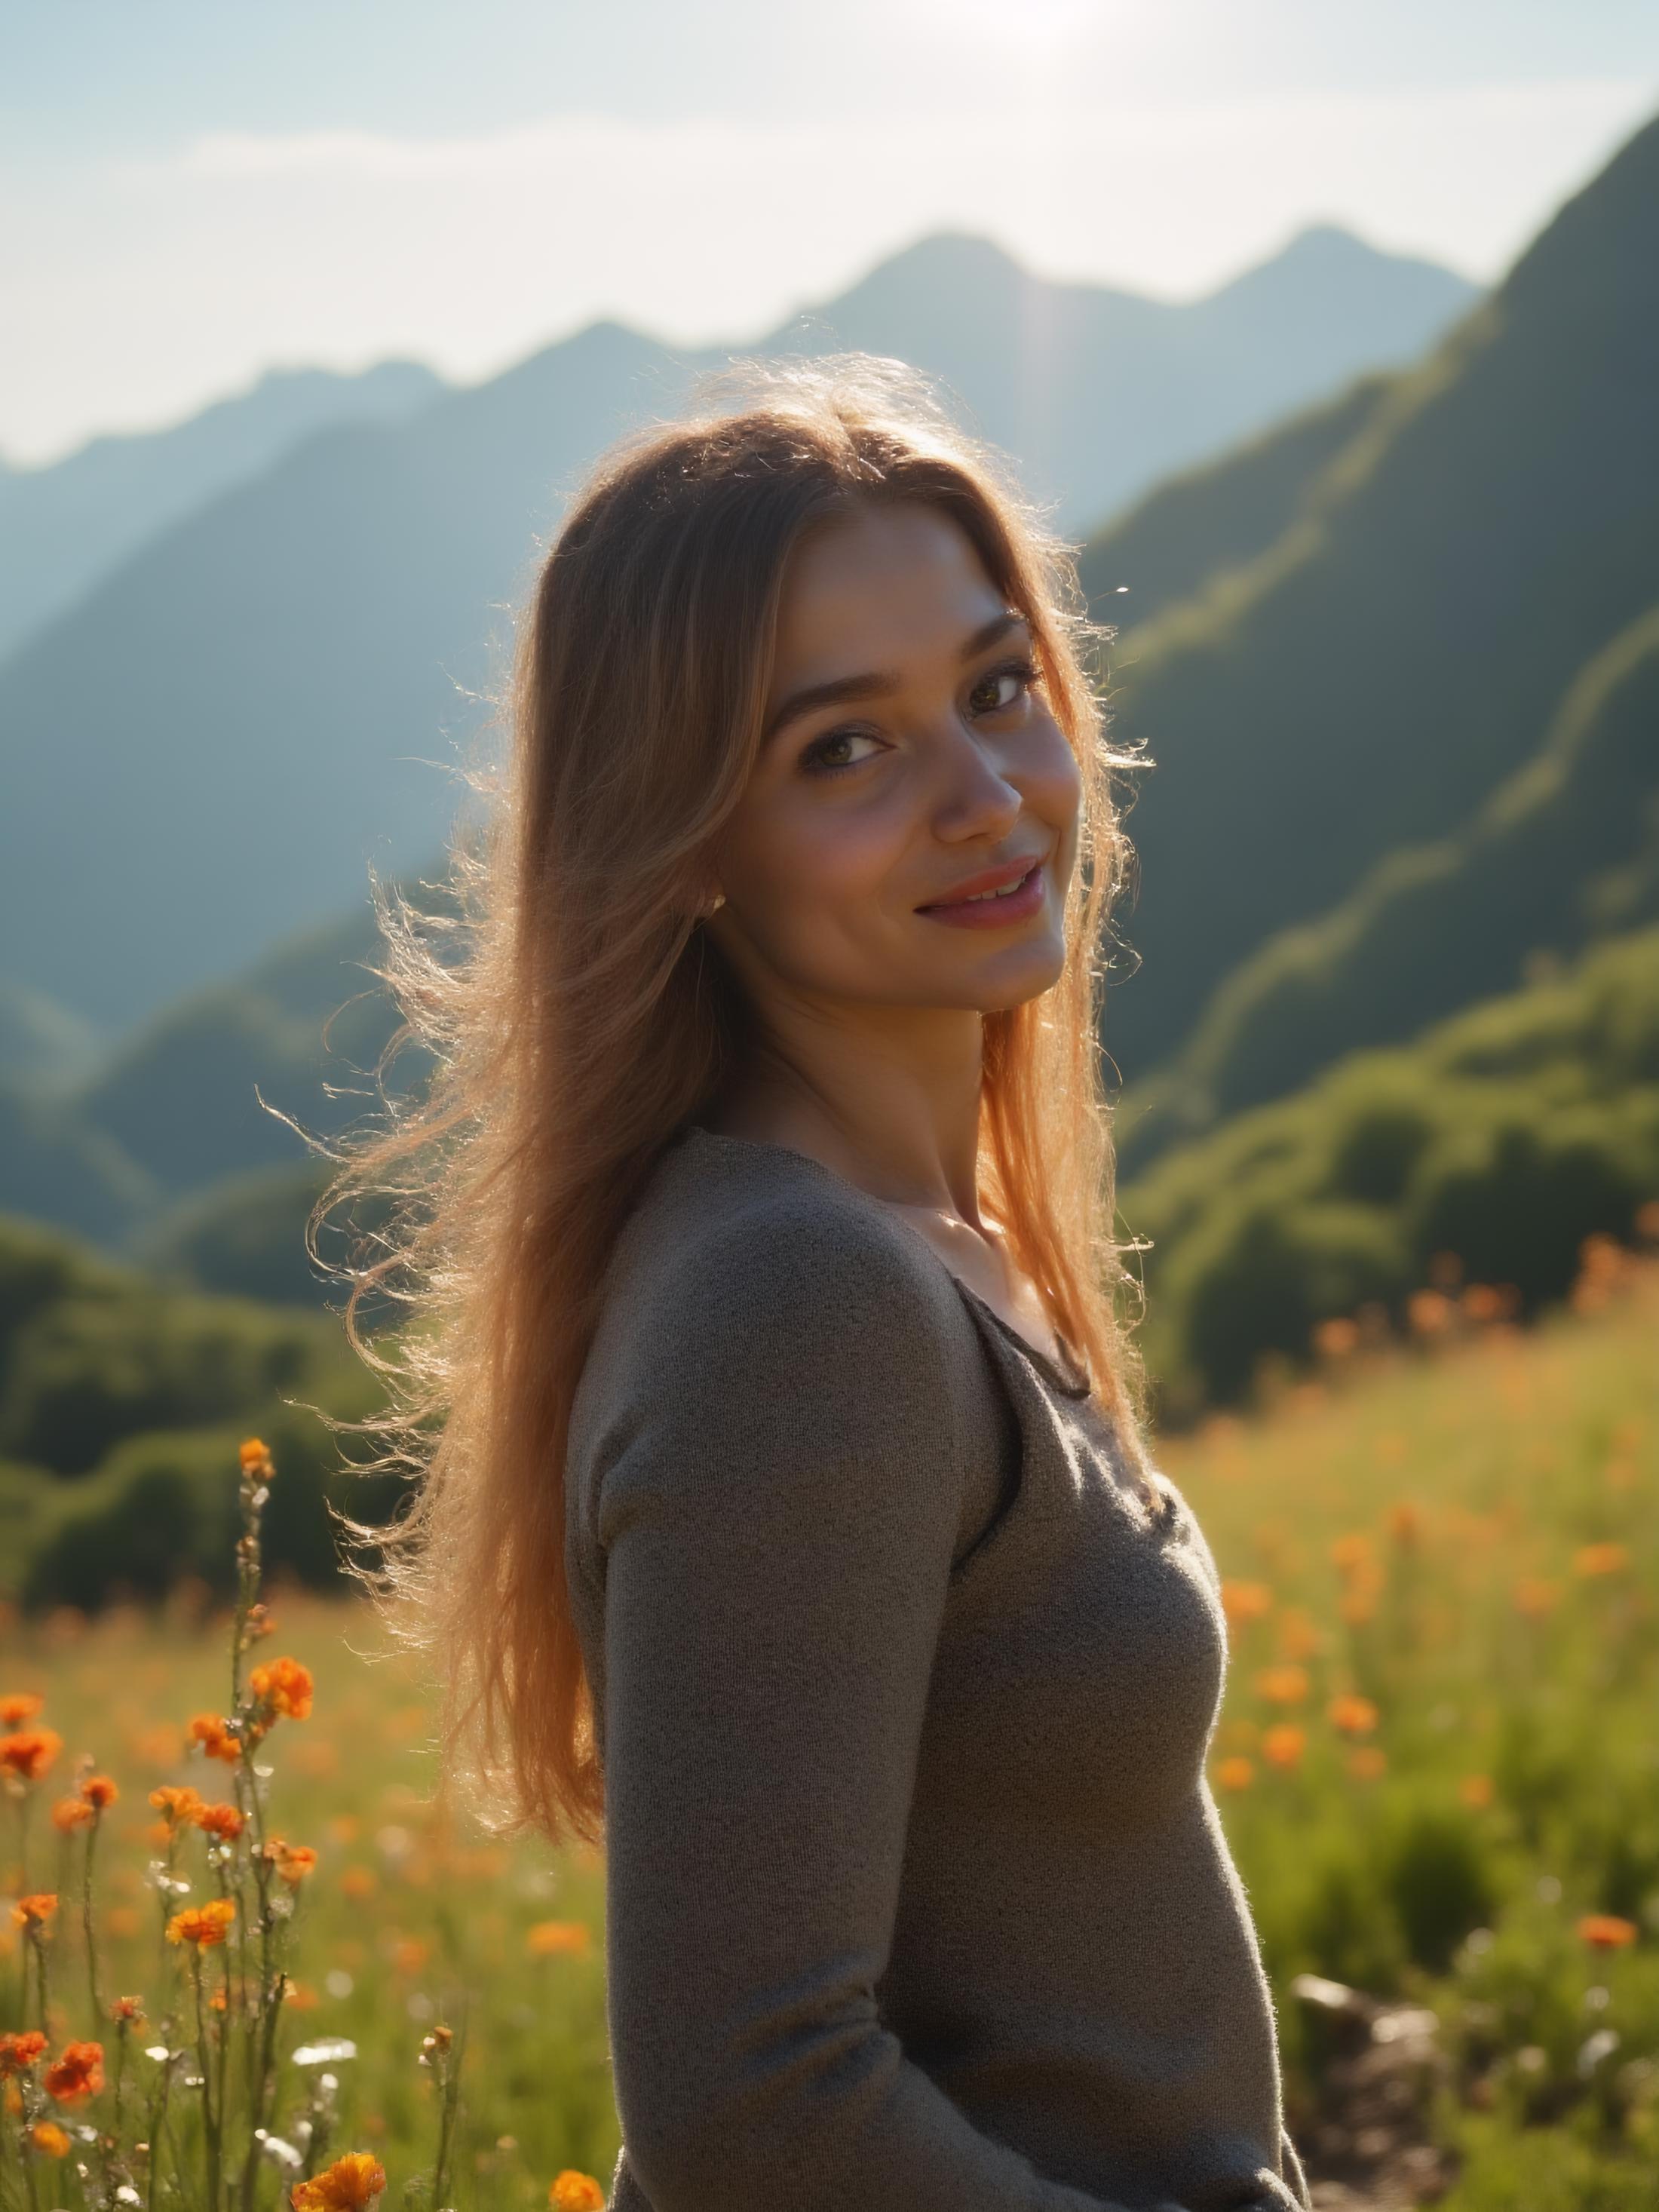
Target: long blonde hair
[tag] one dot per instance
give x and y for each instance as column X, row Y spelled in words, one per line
column 577, row 1016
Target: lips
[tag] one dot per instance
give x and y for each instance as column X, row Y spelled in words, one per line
column 992, row 879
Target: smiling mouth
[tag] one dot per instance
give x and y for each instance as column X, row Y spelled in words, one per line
column 986, row 898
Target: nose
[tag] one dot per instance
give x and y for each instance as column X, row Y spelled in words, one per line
column 974, row 797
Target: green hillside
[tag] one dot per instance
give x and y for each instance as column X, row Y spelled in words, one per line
column 1503, row 1136
column 1565, row 850
column 1364, row 685
column 121, row 1405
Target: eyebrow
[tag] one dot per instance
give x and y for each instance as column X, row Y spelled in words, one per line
column 877, row 685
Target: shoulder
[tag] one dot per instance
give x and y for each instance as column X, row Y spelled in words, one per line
column 752, row 1287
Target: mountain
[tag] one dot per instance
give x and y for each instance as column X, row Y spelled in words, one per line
column 270, row 691
column 1565, row 851
column 63, row 525
column 1365, row 682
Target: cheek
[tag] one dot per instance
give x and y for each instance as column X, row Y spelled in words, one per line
column 820, row 862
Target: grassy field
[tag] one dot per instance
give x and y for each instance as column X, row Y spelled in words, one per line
column 1438, row 1763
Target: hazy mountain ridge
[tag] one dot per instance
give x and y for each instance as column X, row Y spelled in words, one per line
column 252, row 693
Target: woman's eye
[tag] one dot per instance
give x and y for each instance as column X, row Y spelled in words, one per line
column 827, row 754
column 1022, row 674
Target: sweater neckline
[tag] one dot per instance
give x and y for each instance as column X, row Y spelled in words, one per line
column 1073, row 1383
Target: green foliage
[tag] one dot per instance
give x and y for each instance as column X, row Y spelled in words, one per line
column 1505, row 1135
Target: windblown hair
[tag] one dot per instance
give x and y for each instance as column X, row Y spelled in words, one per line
column 588, row 1017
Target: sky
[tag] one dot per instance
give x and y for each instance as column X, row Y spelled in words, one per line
column 194, row 191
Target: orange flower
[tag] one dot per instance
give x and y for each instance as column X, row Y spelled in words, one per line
column 1354, row 1716
column 349, row 2184
column 1242, row 1602
column 1475, row 1790
column 1366, row 1762
column 293, row 1861
column 71, row 1813
column 204, row 1925
column 1351, row 1552
column 35, row 1910
column 28, row 1752
column 1235, row 1773
column 1600, row 1559
column 408, row 1955
column 17, row 1706
column 223, row 1821
column 357, row 1881
column 76, row 2072
column 575, row 2192
column 1285, row 1744
column 127, row 2009
column 48, row 2135
column 214, row 1738
column 1535, row 1597
column 548, row 1936
column 285, row 1685
column 251, row 1452
column 1606, row 1930
column 1337, row 1338
column 176, row 1803
column 302, row 1997
column 19, row 2049
column 100, row 1792
column 1404, row 1519
column 1283, row 1685
column 1428, row 1312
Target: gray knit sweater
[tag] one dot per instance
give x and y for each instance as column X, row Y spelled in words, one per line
column 917, row 1897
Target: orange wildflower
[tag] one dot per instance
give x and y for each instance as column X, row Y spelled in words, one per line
column 35, row 1910
column 100, row 1792
column 1428, row 1312
column 1600, row 1559
column 17, row 1706
column 1535, row 1597
column 127, row 2009
column 1237, row 1772
column 285, row 1685
column 575, row 2192
column 408, row 1955
column 176, row 1803
column 1405, row 1522
column 349, row 2184
column 76, row 2072
column 1354, row 1716
column 293, row 1861
column 71, row 1813
column 251, row 1452
column 1475, row 1790
column 1242, row 1602
column 1352, row 1551
column 28, row 1752
column 1336, row 1339
column 204, row 1925
column 1284, row 1744
column 223, row 1821
column 1606, row 1930
column 1366, row 1762
column 19, row 2049
column 214, row 1737
column 1283, row 1685
column 546, row 1937
column 357, row 1881
column 46, row 2135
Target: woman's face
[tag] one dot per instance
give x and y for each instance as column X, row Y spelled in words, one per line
column 935, row 762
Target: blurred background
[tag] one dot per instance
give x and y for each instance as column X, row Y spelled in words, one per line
column 1329, row 336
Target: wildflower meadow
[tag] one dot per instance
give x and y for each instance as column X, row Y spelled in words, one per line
column 245, row 1965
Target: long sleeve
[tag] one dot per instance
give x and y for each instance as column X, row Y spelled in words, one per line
column 778, row 1508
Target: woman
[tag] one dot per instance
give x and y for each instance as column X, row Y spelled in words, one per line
column 789, row 1521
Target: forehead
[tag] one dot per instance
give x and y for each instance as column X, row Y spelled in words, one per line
column 870, row 589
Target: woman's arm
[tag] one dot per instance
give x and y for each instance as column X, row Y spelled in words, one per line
column 779, row 1511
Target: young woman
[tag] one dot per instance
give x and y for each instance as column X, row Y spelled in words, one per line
column 788, row 1521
